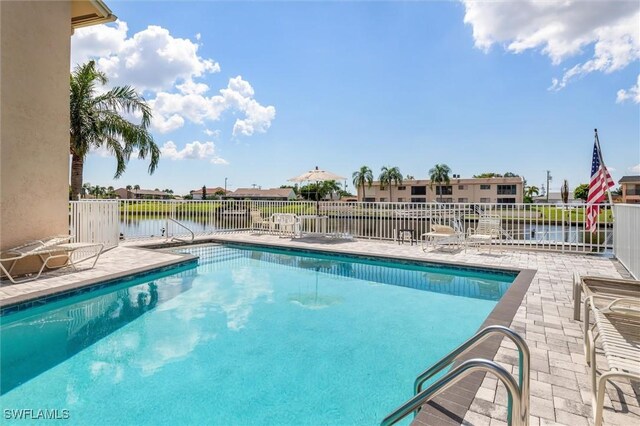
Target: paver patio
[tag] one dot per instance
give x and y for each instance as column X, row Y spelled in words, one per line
column 560, row 388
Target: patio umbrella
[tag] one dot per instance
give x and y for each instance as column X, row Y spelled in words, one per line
column 316, row 175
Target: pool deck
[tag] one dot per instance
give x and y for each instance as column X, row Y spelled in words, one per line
column 560, row 385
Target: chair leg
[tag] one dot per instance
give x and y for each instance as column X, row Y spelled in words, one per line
column 598, row 400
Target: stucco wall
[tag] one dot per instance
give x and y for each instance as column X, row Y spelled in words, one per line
column 34, row 120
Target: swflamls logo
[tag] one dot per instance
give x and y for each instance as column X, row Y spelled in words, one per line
column 40, row 414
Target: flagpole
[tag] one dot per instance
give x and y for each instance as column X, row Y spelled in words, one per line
column 604, row 167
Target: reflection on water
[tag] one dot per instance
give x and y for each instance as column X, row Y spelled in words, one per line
column 479, row 285
column 36, row 344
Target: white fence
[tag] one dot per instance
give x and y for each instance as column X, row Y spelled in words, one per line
column 627, row 237
column 95, row 221
column 540, row 226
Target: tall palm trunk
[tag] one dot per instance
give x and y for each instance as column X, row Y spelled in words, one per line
column 389, row 191
column 363, row 194
column 77, row 165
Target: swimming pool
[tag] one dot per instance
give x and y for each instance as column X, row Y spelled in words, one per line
column 248, row 337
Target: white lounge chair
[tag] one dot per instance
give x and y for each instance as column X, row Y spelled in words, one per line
column 53, row 253
column 487, row 229
column 618, row 328
column 605, row 288
column 443, row 235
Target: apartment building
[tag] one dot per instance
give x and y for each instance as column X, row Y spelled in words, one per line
column 501, row 190
column 630, row 189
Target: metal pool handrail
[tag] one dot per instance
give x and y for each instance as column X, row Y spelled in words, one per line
column 524, row 361
column 455, row 376
column 182, row 225
column 524, row 364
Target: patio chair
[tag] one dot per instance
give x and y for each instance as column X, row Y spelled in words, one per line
column 258, row 222
column 617, row 326
column 52, row 253
column 487, row 229
column 443, row 235
column 605, row 288
column 287, row 224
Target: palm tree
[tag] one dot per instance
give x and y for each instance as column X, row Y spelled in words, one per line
column 388, row 176
column 439, row 174
column 96, row 122
column 529, row 192
column 362, row 177
column 87, row 189
column 129, row 188
column 136, row 187
column 329, row 187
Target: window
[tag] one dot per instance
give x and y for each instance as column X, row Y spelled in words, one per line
column 369, row 200
column 402, row 188
column 447, row 200
column 633, row 190
column 444, row 190
column 418, row 190
column 506, row 190
column 461, row 187
column 506, row 200
column 485, row 186
column 485, row 200
column 401, row 200
column 463, row 200
column 418, row 200
column 383, row 200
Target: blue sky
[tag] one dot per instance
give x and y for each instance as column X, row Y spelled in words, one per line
column 341, row 85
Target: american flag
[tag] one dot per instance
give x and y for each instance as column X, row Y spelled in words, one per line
column 598, row 186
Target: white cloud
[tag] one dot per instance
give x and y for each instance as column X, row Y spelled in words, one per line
column 632, row 94
column 167, row 67
column 151, row 59
column 214, row 133
column 198, row 108
column 561, row 29
column 635, row 169
column 166, row 125
column 192, row 151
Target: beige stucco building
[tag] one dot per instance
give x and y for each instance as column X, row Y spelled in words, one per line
column 35, row 41
column 504, row 190
column 630, row 186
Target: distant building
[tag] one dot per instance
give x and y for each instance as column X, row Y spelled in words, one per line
column 502, row 190
column 282, row 194
column 197, row 193
column 630, row 189
column 555, row 197
column 142, row 194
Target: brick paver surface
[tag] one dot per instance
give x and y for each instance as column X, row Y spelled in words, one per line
column 560, row 385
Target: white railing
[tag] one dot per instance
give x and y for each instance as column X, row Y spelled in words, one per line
column 627, row 237
column 540, row 226
column 95, row 221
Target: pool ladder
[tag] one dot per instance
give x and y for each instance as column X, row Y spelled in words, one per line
column 518, row 392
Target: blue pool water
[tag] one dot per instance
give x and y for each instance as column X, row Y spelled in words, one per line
column 248, row 337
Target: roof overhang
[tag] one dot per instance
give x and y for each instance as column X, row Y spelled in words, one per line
column 90, row 12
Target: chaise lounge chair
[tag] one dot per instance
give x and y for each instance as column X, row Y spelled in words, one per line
column 487, row 229
column 617, row 326
column 443, row 235
column 607, row 289
column 53, row 253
